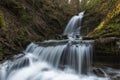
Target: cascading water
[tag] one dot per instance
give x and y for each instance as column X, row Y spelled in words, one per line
column 68, row 59
column 69, row 1
column 74, row 25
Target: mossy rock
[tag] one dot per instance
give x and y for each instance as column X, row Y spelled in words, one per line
column 110, row 26
column 107, row 46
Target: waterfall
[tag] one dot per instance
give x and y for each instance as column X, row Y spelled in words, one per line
column 69, row 59
column 75, row 54
column 69, row 1
column 74, row 25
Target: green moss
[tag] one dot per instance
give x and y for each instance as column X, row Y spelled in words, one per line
column 2, row 20
column 3, row 27
column 110, row 26
column 99, row 14
column 109, row 30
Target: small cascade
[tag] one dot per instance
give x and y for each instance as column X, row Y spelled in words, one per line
column 69, row 1
column 69, row 59
column 75, row 54
column 74, row 25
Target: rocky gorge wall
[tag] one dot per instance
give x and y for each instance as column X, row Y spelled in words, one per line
column 25, row 21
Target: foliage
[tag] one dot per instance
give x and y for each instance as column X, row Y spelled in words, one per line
column 24, row 17
column 18, row 9
column 93, row 3
column 36, row 3
column 3, row 27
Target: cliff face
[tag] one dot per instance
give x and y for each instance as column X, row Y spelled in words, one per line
column 25, row 21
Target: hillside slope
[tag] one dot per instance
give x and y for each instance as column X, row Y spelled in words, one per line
column 102, row 18
column 25, row 21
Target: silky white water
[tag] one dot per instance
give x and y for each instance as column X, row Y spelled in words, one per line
column 74, row 25
column 69, row 59
column 43, row 71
